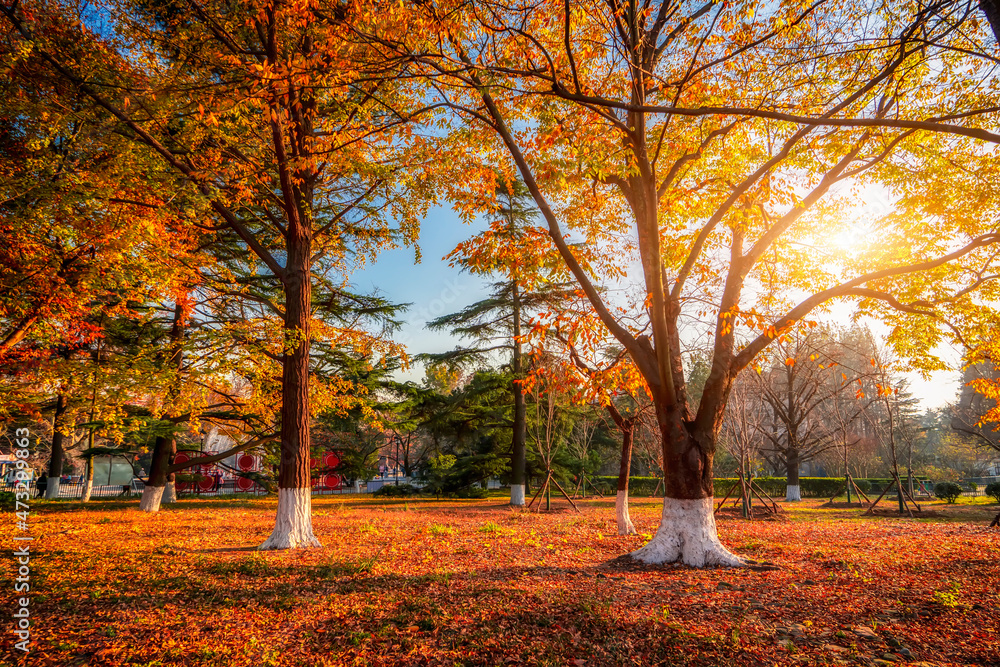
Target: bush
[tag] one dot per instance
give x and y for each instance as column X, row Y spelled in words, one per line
column 972, row 486
column 397, row 491
column 809, row 487
column 993, row 489
column 864, row 485
column 637, row 486
column 947, row 491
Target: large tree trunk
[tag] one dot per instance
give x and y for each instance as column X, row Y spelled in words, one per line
column 56, row 461
column 792, row 491
column 687, row 531
column 152, row 493
column 991, row 9
column 518, row 456
column 293, row 525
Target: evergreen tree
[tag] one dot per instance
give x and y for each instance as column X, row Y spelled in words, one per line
column 496, row 325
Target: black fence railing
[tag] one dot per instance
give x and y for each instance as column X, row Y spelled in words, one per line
column 71, row 490
column 75, row 490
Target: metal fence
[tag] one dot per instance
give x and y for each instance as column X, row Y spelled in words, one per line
column 71, row 490
column 75, row 490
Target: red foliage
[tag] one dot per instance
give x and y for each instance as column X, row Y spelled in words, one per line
column 471, row 582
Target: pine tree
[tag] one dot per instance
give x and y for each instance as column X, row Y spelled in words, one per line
column 496, row 325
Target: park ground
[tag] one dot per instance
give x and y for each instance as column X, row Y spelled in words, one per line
column 471, row 582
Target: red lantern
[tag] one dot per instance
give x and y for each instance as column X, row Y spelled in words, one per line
column 246, row 462
column 181, row 457
column 245, row 484
column 331, row 481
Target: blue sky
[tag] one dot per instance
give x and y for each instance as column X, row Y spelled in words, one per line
column 433, row 289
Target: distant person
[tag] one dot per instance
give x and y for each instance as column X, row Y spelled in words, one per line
column 41, row 484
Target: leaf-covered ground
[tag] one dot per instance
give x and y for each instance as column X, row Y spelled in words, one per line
column 474, row 583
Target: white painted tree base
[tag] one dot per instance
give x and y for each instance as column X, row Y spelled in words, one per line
column 170, row 493
column 792, row 492
column 622, row 517
column 293, row 524
column 88, row 489
column 687, row 534
column 517, row 495
column 151, row 498
column 51, row 488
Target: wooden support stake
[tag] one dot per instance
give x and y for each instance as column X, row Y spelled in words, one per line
column 728, row 493
column 565, row 495
column 756, row 489
column 539, row 492
column 860, row 492
column 880, row 496
column 839, row 491
column 907, row 492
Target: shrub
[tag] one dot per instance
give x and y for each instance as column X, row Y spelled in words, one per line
column 972, row 486
column 809, row 487
column 397, row 491
column 993, row 489
column 947, row 491
column 864, row 485
column 637, row 486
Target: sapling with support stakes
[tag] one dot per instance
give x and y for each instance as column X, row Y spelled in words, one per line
column 888, row 393
column 543, row 434
column 849, row 484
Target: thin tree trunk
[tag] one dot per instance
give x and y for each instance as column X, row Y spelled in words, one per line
column 170, row 492
column 792, row 489
column 56, row 460
column 518, row 455
column 88, row 483
column 627, row 428
column 164, row 446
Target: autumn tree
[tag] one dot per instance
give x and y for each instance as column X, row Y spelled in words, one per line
column 275, row 141
column 969, row 415
column 722, row 140
column 84, row 238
